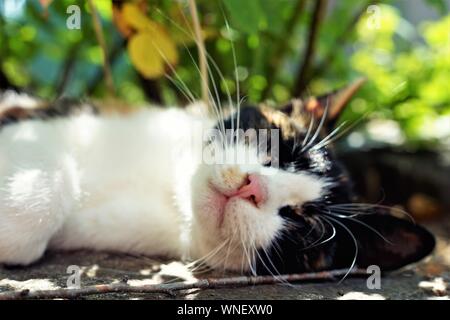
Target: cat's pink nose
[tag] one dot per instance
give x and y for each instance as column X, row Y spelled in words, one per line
column 253, row 190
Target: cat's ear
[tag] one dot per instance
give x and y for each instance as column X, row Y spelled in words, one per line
column 333, row 103
column 390, row 242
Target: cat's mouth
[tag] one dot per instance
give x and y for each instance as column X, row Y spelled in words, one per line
column 252, row 192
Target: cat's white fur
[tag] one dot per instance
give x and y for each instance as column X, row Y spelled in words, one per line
column 133, row 184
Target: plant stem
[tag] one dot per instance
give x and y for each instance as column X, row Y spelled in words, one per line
column 101, row 41
column 300, row 83
column 201, row 52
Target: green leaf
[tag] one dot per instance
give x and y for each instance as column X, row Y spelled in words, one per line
column 247, row 15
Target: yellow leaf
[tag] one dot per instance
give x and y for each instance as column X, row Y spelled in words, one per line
column 120, row 22
column 151, row 50
column 134, row 17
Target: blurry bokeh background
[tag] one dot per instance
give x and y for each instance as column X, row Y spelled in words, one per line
column 398, row 153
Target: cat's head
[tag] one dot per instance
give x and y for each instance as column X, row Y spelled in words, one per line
column 290, row 209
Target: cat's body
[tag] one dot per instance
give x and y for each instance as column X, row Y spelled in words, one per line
column 107, row 183
column 135, row 183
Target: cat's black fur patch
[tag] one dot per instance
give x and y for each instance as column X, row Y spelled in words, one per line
column 321, row 237
column 61, row 107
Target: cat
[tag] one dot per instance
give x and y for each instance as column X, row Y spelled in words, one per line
column 134, row 183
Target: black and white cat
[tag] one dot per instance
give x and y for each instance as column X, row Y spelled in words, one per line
column 132, row 183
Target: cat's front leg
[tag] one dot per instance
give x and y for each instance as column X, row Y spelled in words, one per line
column 34, row 203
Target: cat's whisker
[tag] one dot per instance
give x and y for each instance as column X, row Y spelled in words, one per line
column 236, row 75
column 369, row 206
column 202, row 268
column 219, row 112
column 322, row 235
column 216, row 102
column 224, row 262
column 187, row 95
column 310, row 127
column 228, row 249
column 190, row 34
column 319, row 128
column 343, row 214
column 212, row 266
column 218, row 106
column 353, row 212
column 227, row 90
column 292, row 226
column 344, row 131
column 241, row 101
column 243, row 256
column 369, row 227
column 325, row 140
column 315, row 221
column 270, row 260
column 246, row 257
column 203, row 260
column 253, row 259
column 313, row 225
column 275, row 276
column 172, row 69
column 276, row 247
column 333, row 234
column 355, row 242
column 251, row 254
column 283, row 281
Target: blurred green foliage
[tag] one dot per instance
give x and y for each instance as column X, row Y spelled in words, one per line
column 409, row 72
column 407, row 65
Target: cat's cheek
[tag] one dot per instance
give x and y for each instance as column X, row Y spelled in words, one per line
column 209, row 208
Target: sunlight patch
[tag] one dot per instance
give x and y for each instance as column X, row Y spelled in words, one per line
column 32, row 284
column 356, row 295
column 437, row 286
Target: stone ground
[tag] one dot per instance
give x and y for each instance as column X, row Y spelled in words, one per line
column 428, row 279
